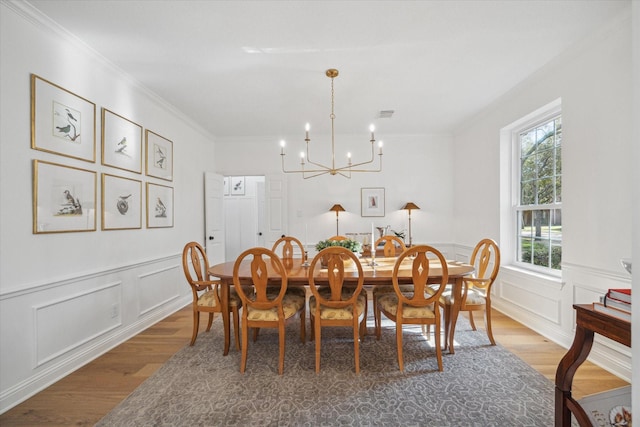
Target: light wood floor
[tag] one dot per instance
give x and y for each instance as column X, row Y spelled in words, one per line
column 88, row 394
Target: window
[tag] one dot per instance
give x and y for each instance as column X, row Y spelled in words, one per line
column 538, row 208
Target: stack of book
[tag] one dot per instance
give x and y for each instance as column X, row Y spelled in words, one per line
column 616, row 303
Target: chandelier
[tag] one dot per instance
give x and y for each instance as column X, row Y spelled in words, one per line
column 317, row 169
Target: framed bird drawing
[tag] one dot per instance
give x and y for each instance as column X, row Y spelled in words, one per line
column 121, row 142
column 159, row 206
column 62, row 122
column 159, row 156
column 64, row 198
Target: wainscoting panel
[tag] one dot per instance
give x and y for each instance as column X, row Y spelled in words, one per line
column 65, row 324
column 160, row 286
column 59, row 325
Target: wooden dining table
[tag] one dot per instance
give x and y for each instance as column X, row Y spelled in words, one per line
column 379, row 274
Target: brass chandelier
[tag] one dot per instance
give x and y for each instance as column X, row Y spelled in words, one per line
column 317, row 169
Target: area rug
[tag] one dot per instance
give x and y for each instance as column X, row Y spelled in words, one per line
column 482, row 385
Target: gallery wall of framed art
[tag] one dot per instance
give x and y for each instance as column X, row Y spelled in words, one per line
column 65, row 197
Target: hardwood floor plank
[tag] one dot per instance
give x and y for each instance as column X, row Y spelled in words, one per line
column 85, row 396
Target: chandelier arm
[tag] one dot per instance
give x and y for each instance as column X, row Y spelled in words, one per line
column 322, row 169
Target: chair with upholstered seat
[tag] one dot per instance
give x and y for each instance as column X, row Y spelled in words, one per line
column 206, row 292
column 418, row 307
column 288, row 244
column 476, row 289
column 263, row 309
column 336, row 302
column 392, row 247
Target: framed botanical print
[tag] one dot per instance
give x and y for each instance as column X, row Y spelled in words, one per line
column 372, row 201
column 237, row 186
column 64, row 198
column 159, row 156
column 121, row 203
column 121, row 142
column 62, row 122
column 159, row 206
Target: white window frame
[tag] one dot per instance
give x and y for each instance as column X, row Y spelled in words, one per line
column 510, row 185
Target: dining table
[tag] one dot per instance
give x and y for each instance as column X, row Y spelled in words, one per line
column 380, row 273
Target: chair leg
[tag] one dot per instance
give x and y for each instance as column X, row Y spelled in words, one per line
column 236, row 326
column 438, row 346
column 312, row 326
column 374, row 306
column 357, row 330
column 487, row 322
column 399, row 345
column 317, row 329
column 245, row 345
column 255, row 334
column 282, row 341
column 363, row 322
column 447, row 324
column 210, row 322
column 473, row 324
column 378, row 321
column 196, row 326
column 303, row 332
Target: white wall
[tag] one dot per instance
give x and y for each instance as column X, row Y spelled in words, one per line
column 594, row 81
column 66, row 298
column 415, row 168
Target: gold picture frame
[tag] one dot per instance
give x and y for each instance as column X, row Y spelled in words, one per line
column 62, row 122
column 159, row 206
column 159, row 156
column 64, row 198
column 121, row 142
column 121, row 203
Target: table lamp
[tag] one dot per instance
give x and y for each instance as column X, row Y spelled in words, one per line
column 337, row 208
column 408, row 206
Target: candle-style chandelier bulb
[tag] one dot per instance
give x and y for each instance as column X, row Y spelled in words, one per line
column 320, row 169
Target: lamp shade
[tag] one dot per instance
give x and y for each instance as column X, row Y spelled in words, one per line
column 337, row 208
column 410, row 205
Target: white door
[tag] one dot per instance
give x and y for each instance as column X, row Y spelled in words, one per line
column 214, row 217
column 276, row 218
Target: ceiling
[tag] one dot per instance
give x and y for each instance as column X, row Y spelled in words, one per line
column 257, row 68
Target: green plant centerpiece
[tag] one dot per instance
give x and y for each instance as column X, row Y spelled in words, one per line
column 352, row 245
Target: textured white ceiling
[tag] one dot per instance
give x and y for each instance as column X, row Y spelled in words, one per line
column 249, row 68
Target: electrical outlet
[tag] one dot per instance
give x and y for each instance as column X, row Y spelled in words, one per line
column 114, row 311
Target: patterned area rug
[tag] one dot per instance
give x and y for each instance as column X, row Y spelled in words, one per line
column 482, row 385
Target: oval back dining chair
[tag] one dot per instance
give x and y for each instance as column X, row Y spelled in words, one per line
column 288, row 250
column 337, row 238
column 206, row 292
column 335, row 302
column 393, row 246
column 476, row 289
column 420, row 306
column 262, row 308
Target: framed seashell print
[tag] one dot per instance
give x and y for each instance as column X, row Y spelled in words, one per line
column 121, row 203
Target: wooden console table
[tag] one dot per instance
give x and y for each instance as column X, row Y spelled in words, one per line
column 588, row 322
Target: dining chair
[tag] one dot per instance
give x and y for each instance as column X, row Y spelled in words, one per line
column 336, row 302
column 338, row 238
column 418, row 307
column 392, row 247
column 288, row 249
column 476, row 289
column 206, row 292
column 263, row 309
